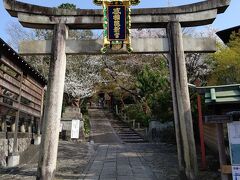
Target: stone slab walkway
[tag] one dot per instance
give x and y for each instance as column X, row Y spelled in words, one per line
column 101, row 129
column 131, row 162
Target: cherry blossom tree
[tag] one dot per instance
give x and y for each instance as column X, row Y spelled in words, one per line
column 82, row 74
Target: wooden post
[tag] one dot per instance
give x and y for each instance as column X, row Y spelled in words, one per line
column 4, row 124
column 181, row 103
column 53, row 108
column 1, row 123
column 15, row 143
column 40, row 121
column 201, row 131
column 221, row 149
column 30, row 125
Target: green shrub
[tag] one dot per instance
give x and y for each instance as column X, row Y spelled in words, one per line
column 86, row 125
column 135, row 111
column 84, row 107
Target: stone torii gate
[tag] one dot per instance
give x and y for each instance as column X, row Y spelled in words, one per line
column 171, row 18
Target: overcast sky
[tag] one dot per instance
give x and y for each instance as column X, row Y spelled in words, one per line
column 229, row 19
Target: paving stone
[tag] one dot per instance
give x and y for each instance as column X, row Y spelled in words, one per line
column 124, row 173
column 141, row 178
column 110, row 164
column 109, row 172
column 125, row 177
column 92, row 178
column 108, row 177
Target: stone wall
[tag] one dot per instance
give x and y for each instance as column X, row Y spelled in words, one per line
column 161, row 132
column 6, row 147
column 3, row 152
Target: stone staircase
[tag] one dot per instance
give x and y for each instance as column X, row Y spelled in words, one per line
column 126, row 134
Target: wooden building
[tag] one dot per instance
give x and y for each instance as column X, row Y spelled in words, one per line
column 226, row 34
column 219, row 102
column 21, row 101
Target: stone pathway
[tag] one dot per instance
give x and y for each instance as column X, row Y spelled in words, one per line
column 101, row 129
column 131, row 162
column 116, row 161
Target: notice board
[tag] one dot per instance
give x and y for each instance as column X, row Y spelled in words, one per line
column 75, row 129
column 234, row 144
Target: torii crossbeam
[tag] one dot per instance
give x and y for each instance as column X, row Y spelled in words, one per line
column 171, row 18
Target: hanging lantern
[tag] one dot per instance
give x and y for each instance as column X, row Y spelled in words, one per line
column 117, row 24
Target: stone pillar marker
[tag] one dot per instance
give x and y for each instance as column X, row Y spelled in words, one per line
column 13, row 127
column 181, row 103
column 53, row 108
column 37, row 139
column 30, row 124
column 23, row 128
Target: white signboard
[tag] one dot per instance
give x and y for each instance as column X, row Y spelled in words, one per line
column 234, row 144
column 75, row 129
column 236, row 172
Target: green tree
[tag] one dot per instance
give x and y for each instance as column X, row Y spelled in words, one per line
column 154, row 88
column 67, row 6
column 227, row 63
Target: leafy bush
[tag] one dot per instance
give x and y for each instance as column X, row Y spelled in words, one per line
column 86, row 125
column 135, row 111
column 84, row 107
column 154, row 88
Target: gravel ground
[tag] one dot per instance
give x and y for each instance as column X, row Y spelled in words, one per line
column 73, row 158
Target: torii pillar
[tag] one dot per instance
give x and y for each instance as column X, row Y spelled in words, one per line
column 171, row 18
column 53, row 108
column 181, row 103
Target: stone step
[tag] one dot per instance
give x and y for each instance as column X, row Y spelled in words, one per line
column 120, row 126
column 124, row 130
column 135, row 141
column 130, row 139
column 124, row 134
column 127, row 132
column 131, row 136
